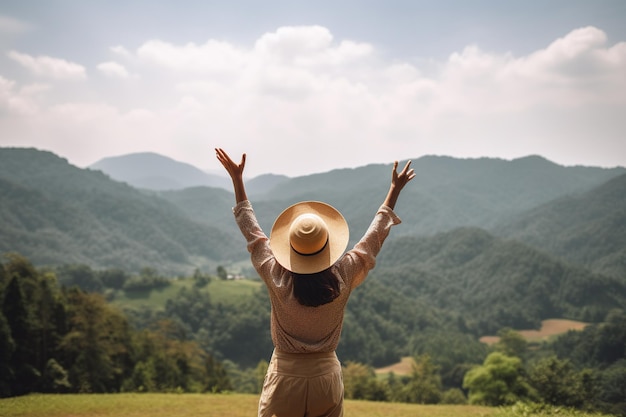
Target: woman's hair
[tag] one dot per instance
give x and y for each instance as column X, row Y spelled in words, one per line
column 317, row 289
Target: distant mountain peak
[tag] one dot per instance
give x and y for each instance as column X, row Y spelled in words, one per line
column 153, row 171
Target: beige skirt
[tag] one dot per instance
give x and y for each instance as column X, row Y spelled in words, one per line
column 302, row 384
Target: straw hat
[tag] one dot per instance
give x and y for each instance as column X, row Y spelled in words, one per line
column 309, row 237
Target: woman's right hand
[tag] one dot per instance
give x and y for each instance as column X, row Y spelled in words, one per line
column 234, row 170
column 398, row 181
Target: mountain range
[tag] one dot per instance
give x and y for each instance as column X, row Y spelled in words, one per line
column 505, row 242
column 151, row 171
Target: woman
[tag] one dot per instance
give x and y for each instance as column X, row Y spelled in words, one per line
column 309, row 280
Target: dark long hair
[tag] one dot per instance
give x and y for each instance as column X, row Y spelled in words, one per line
column 317, row 289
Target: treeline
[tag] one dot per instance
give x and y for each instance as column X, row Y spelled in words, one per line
column 60, row 339
column 55, row 337
column 580, row 370
column 109, row 281
column 379, row 328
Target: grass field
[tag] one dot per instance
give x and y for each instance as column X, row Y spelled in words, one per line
column 549, row 328
column 404, row 367
column 206, row 405
column 231, row 405
column 227, row 292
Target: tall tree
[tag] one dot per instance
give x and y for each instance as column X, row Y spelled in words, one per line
column 498, row 381
column 361, row 383
column 7, row 347
column 511, row 343
column 22, row 326
column 97, row 345
column 424, row 384
column 557, row 382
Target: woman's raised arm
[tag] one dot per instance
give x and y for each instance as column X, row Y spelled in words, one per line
column 235, row 171
column 398, row 181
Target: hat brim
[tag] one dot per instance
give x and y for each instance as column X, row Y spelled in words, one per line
column 338, row 236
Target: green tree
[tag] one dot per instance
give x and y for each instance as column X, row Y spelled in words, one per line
column 612, row 389
column 113, row 278
column 98, row 343
column 166, row 361
column 200, row 280
column 511, row 343
column 81, row 276
column 34, row 322
column 424, row 384
column 55, row 378
column 360, row 383
column 217, row 378
column 452, row 351
column 498, row 381
column 221, row 272
column 557, row 383
column 243, row 380
column 24, row 373
column 453, row 396
column 51, row 316
column 7, row 347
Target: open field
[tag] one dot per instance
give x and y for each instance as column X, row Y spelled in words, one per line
column 549, row 328
column 206, row 405
column 231, row 405
column 227, row 292
column 404, row 367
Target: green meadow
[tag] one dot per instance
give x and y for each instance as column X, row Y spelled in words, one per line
column 230, row 405
column 219, row 291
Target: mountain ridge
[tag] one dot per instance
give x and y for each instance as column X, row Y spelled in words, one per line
column 84, row 216
column 478, row 275
column 443, row 257
column 153, row 171
column 447, row 194
column 581, row 228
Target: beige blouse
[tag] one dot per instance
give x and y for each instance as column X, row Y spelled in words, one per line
column 301, row 329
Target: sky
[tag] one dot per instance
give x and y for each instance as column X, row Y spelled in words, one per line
column 306, row 87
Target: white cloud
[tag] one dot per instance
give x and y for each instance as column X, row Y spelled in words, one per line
column 298, row 91
column 113, row 70
column 20, row 102
column 209, row 57
column 50, row 67
column 309, row 46
column 120, row 50
column 13, row 26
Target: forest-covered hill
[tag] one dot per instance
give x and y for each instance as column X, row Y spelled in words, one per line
column 55, row 213
column 587, row 229
column 447, row 192
column 494, row 283
column 571, row 220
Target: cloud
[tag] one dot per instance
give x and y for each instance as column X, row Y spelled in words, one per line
column 308, row 46
column 327, row 103
column 12, row 26
column 20, row 102
column 113, row 70
column 120, row 50
column 211, row 56
column 45, row 66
